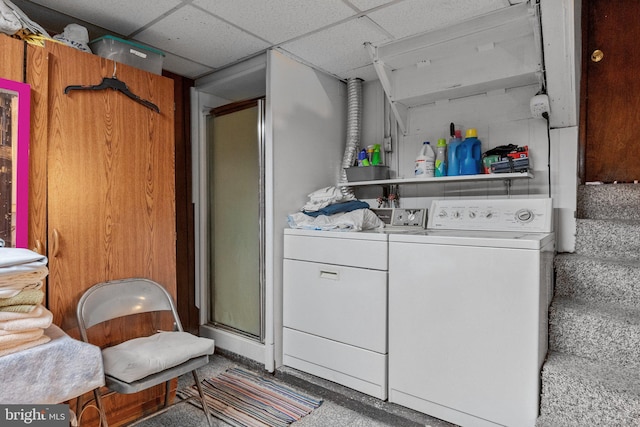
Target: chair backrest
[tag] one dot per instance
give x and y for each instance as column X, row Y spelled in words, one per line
column 117, row 298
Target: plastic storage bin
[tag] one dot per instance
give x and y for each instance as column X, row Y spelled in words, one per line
column 128, row 52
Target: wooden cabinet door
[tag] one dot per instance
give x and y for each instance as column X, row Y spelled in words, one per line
column 11, row 48
column 612, row 102
column 111, row 194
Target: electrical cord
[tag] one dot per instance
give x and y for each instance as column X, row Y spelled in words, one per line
column 545, row 115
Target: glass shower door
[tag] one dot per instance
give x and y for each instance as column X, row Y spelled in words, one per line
column 236, row 219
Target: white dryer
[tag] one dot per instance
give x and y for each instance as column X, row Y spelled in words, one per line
column 468, row 303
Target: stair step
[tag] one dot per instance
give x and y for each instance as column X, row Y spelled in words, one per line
column 616, row 239
column 596, row 331
column 579, row 392
column 609, row 201
column 551, row 421
column 598, row 280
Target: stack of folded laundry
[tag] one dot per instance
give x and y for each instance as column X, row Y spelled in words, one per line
column 329, row 210
column 23, row 318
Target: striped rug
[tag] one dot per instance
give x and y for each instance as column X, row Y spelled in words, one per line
column 244, row 399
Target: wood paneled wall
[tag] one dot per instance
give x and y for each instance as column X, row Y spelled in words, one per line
column 102, row 188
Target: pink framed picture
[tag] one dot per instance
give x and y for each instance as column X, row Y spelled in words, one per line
column 14, row 162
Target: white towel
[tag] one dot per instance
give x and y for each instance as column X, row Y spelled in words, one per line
column 21, row 269
column 40, row 317
column 324, row 197
column 16, row 256
column 358, row 220
column 15, row 338
column 24, row 346
column 12, row 284
column 13, row 290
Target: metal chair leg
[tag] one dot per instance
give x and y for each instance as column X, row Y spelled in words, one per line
column 102, row 414
column 203, row 399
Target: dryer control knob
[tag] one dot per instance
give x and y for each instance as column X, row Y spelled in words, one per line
column 524, row 215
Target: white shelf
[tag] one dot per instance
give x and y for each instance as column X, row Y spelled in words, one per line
column 499, row 50
column 444, row 179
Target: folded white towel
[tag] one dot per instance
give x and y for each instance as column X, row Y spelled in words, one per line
column 12, row 284
column 17, row 337
column 40, row 317
column 19, row 260
column 3, row 332
column 13, row 290
column 16, row 256
column 358, row 220
column 25, row 345
column 324, row 197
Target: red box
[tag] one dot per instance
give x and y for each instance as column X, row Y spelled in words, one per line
column 519, row 152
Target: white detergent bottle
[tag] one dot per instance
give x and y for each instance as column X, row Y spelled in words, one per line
column 425, row 162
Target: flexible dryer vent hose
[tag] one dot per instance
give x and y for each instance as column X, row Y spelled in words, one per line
column 354, row 126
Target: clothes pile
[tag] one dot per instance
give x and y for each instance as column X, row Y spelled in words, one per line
column 23, row 318
column 16, row 23
column 76, row 36
column 329, row 210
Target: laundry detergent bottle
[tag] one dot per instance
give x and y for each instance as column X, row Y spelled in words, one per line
column 453, row 161
column 470, row 153
column 441, row 158
column 425, row 161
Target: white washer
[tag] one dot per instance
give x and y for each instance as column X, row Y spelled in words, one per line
column 468, row 311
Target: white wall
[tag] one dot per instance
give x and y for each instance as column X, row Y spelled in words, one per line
column 307, row 114
column 501, row 117
column 305, row 130
column 562, row 53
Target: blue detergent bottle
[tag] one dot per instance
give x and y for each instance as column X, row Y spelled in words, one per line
column 470, row 153
column 453, row 161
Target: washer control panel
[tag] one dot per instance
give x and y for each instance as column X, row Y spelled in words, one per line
column 402, row 217
column 533, row 215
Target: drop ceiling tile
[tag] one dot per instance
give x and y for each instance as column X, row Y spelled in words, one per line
column 277, row 21
column 366, row 73
column 185, row 67
column 416, row 16
column 195, row 35
column 368, row 4
column 338, row 48
column 120, row 16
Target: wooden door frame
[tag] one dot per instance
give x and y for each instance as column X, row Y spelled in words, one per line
column 185, row 235
column 582, row 123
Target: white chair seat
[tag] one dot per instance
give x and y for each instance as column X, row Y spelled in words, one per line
column 140, row 357
column 139, row 363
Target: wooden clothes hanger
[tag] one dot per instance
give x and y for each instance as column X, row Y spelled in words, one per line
column 117, row 85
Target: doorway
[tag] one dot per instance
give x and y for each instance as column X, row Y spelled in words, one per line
column 608, row 147
column 235, row 141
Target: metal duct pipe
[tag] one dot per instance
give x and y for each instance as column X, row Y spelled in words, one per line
column 354, row 126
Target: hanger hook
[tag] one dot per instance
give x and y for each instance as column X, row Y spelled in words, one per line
column 115, row 67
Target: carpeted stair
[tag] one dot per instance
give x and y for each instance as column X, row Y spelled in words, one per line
column 592, row 373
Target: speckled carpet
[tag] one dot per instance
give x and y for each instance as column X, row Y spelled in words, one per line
column 592, row 373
